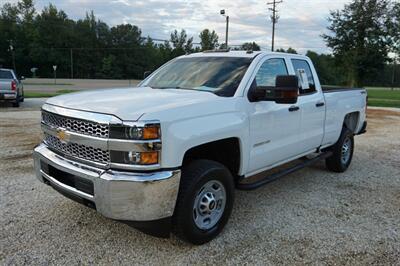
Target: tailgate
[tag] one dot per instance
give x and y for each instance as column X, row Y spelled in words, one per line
column 5, row 90
column 5, row 85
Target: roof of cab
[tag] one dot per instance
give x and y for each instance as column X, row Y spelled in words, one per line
column 245, row 54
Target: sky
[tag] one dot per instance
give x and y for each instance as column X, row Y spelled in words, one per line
column 300, row 25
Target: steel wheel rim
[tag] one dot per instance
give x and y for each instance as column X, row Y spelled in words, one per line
column 346, row 150
column 209, row 204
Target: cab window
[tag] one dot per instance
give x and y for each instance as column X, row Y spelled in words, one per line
column 268, row 71
column 301, row 66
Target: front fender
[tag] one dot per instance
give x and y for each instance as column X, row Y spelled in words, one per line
column 180, row 136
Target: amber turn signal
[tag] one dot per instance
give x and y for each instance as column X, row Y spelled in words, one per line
column 149, row 157
column 151, row 132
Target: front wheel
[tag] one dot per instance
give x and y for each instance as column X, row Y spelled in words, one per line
column 205, row 201
column 342, row 152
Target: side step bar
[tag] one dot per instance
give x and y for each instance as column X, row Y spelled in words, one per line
column 273, row 177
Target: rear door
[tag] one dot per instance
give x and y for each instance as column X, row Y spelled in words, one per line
column 273, row 128
column 312, row 106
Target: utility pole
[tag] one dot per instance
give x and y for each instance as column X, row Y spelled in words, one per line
column 394, row 71
column 274, row 19
column 222, row 12
column 11, row 48
column 72, row 64
column 226, row 36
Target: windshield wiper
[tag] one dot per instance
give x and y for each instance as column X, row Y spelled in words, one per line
column 180, row 88
column 171, row 87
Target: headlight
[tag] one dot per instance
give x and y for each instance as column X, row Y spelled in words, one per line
column 146, row 146
column 146, row 132
column 134, row 157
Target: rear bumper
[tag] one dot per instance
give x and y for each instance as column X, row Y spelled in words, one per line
column 126, row 196
column 8, row 96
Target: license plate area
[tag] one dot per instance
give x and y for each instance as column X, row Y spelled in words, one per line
column 68, row 179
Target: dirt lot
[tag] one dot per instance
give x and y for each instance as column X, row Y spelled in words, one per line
column 312, row 216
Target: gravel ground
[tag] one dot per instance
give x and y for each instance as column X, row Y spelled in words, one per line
column 312, row 216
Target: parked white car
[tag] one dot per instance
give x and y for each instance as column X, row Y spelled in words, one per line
column 169, row 154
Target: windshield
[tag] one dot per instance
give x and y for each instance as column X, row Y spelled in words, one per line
column 219, row 75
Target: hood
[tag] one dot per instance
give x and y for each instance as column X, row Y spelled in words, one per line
column 130, row 104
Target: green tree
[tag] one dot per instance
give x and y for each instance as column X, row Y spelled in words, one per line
column 26, row 9
column 253, row 46
column 208, row 40
column 394, row 28
column 8, row 31
column 181, row 43
column 54, row 31
column 360, row 39
column 326, row 68
column 290, row 50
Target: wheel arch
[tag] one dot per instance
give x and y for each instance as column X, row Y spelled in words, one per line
column 351, row 121
column 225, row 151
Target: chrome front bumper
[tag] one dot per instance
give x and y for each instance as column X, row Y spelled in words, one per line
column 117, row 195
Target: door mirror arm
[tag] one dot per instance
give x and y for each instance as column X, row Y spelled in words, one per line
column 146, row 74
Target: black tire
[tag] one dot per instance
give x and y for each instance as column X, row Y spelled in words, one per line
column 338, row 162
column 16, row 103
column 194, row 176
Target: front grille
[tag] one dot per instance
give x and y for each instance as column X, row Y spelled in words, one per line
column 77, row 150
column 76, row 125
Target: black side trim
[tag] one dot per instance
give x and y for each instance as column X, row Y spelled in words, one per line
column 269, row 178
column 158, row 228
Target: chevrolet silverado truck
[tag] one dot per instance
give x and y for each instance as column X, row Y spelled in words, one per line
column 11, row 88
column 167, row 156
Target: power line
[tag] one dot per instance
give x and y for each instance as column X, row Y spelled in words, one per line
column 274, row 19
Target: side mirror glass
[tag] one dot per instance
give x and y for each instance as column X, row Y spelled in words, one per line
column 146, row 74
column 285, row 90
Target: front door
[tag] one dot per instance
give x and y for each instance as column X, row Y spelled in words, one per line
column 273, row 127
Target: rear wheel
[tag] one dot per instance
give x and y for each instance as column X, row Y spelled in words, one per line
column 342, row 152
column 16, row 103
column 204, row 202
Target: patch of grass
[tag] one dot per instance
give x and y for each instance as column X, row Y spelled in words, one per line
column 384, row 97
column 65, row 91
column 35, row 94
column 384, row 94
column 383, row 103
column 46, row 84
column 381, row 88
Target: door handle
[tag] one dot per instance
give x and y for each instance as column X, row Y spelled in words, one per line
column 319, row 104
column 293, row 108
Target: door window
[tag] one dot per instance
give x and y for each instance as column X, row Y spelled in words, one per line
column 302, row 68
column 268, row 71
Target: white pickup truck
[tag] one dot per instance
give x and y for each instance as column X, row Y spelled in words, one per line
column 169, row 154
